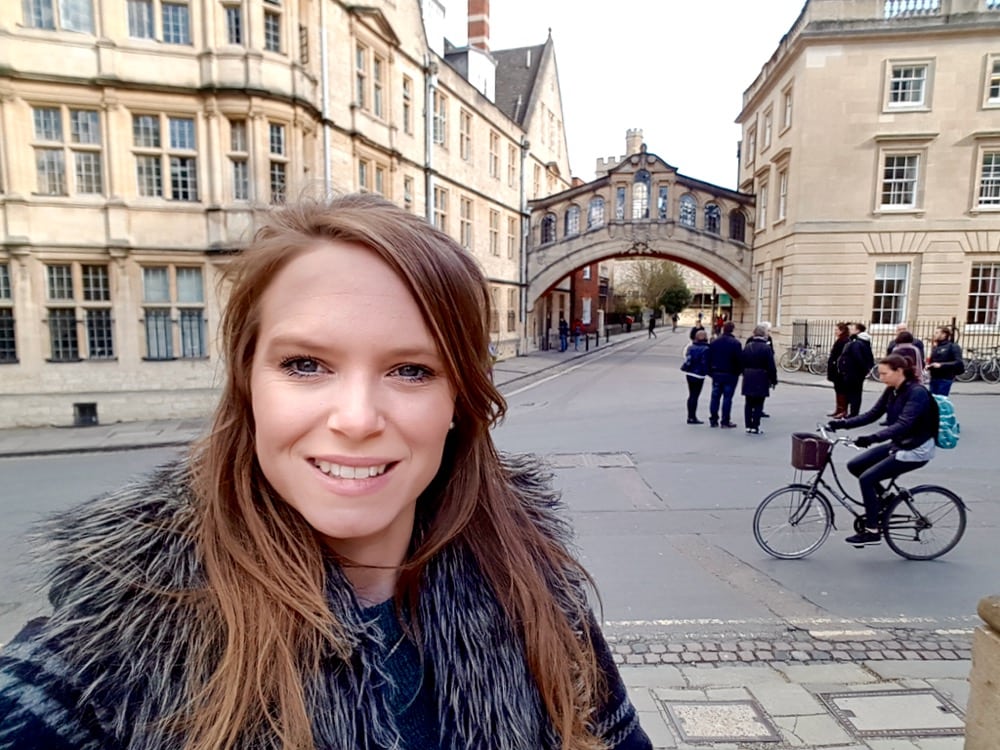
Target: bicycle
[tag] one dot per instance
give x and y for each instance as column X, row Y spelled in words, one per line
column 803, row 357
column 918, row 523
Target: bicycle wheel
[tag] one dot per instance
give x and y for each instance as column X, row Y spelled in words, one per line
column 873, row 373
column 817, row 365
column 990, row 371
column 970, row 373
column 924, row 522
column 792, row 522
column 789, row 361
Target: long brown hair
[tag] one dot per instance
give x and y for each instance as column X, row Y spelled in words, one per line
column 267, row 620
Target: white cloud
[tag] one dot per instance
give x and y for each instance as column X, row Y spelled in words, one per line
column 677, row 70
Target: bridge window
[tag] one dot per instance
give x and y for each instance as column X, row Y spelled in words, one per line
column 620, row 204
column 713, row 219
column 661, row 202
column 640, row 195
column 689, row 211
column 595, row 213
column 737, row 226
column 549, row 228
column 572, row 221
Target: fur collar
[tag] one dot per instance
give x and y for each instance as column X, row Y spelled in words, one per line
column 119, row 636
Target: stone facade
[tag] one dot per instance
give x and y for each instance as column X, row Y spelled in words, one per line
column 871, row 140
column 138, row 150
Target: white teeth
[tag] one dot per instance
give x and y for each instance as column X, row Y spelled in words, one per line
column 350, row 472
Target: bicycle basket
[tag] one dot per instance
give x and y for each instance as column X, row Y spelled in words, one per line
column 809, row 451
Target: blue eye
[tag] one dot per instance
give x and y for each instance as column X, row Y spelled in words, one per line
column 413, row 373
column 300, row 366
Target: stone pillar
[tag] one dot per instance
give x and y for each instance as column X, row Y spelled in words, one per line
column 982, row 717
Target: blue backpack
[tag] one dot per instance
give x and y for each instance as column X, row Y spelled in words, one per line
column 948, row 427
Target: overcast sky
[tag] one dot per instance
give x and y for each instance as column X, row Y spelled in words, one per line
column 675, row 69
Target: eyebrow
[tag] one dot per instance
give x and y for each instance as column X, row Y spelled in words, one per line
column 294, row 341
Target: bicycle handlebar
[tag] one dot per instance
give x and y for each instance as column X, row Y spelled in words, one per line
column 826, row 435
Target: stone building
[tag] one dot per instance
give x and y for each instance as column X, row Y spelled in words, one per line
column 871, row 140
column 141, row 140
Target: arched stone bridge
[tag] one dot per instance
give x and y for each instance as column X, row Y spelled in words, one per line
column 642, row 207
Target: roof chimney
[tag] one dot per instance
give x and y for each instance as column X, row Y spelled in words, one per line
column 479, row 24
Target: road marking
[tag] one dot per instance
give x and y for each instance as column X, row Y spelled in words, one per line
column 567, row 371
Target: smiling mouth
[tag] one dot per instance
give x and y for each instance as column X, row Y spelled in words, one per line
column 340, row 471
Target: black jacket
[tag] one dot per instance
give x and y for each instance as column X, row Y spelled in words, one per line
column 832, row 365
column 949, row 355
column 911, row 416
column 759, row 372
column 857, row 359
column 725, row 356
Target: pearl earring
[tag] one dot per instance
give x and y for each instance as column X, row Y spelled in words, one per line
column 452, row 425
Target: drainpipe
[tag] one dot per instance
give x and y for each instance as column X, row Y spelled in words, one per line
column 324, row 59
column 430, row 86
column 523, row 252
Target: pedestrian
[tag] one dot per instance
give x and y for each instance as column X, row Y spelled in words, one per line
column 854, row 364
column 577, row 334
column 759, row 376
column 840, row 388
column 910, row 428
column 695, row 328
column 905, row 345
column 629, row 320
column 944, row 362
column 652, row 325
column 345, row 560
column 674, row 318
column 563, row 334
column 724, row 366
column 901, row 328
column 695, row 366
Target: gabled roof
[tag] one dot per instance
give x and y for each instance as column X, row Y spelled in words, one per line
column 378, row 20
column 517, row 70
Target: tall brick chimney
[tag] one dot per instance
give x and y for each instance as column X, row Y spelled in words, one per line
column 479, row 24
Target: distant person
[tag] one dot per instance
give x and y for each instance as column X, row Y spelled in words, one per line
column 563, row 334
column 629, row 320
column 577, row 334
column 902, row 328
column 770, row 342
column 840, row 388
column 854, row 364
column 674, row 319
column 759, row 377
column 695, row 328
column 944, row 363
column 906, row 346
column 651, row 332
column 724, row 367
column 696, row 368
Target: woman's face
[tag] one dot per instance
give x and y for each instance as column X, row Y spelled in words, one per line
column 892, row 378
column 350, row 399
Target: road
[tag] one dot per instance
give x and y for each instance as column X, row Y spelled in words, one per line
column 662, row 509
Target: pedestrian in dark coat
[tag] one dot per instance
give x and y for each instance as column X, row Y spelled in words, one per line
column 759, row 377
column 833, row 371
column 944, row 362
column 696, row 368
column 854, row 365
column 724, row 367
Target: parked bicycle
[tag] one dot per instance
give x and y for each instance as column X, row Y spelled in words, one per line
column 804, row 357
column 981, row 363
column 918, row 523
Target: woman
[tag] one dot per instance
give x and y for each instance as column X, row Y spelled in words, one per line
column 854, row 364
column 911, row 425
column 759, row 377
column 696, row 368
column 833, row 371
column 904, row 345
column 345, row 561
column 944, row 362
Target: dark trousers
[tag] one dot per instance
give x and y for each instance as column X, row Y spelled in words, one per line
column 563, row 341
column 873, row 466
column 941, row 387
column 853, row 390
column 723, row 388
column 753, row 407
column 694, row 391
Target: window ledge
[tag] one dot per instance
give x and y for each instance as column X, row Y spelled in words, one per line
column 889, row 211
column 904, row 137
column 984, row 210
column 63, row 361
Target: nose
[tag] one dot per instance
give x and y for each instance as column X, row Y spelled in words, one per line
column 355, row 410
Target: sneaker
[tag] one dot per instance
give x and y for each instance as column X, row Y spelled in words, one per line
column 865, row 539
column 765, row 415
column 728, row 424
column 754, row 431
column 697, row 421
column 713, row 423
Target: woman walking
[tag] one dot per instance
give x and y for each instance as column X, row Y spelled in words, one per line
column 833, row 371
column 759, row 377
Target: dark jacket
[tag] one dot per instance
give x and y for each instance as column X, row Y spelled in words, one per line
column 108, row 664
column 759, row 372
column 916, row 342
column 857, row 359
column 694, row 330
column 911, row 416
column 832, row 365
column 724, row 356
column 949, row 354
column 697, row 353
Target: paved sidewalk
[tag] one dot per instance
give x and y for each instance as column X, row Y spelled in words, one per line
column 884, row 690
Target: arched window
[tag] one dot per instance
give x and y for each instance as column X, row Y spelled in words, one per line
column 640, row 195
column 572, row 221
column 661, row 202
column 548, row 228
column 689, row 210
column 713, row 219
column 595, row 213
column 737, row 225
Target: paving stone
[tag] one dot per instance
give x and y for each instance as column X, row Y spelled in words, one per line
column 728, row 694
column 893, row 744
column 656, row 728
column 671, row 658
column 734, row 676
column 657, row 648
column 690, row 656
column 678, row 694
column 940, row 743
column 765, row 655
column 660, row 676
column 642, row 698
column 640, row 648
column 651, row 658
column 919, row 669
column 693, row 646
column 955, row 690
column 728, row 656
column 783, row 699
column 746, row 655
column 675, row 648
column 819, row 729
column 844, row 674
column 710, row 656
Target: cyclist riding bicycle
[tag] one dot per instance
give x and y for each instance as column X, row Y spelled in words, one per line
column 911, row 425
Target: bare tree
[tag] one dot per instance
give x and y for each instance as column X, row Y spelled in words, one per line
column 651, row 279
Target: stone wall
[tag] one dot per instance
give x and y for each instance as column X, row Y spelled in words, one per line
column 982, row 728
